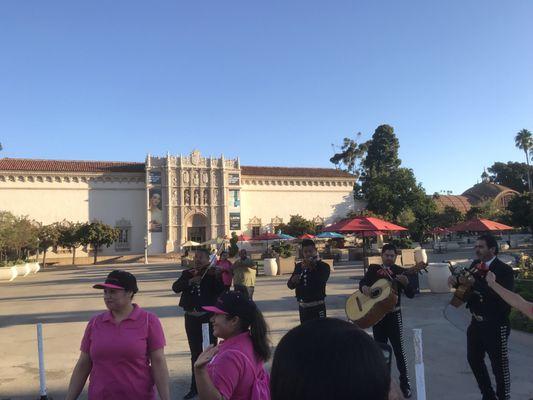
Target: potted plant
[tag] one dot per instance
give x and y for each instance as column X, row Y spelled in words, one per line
column 286, row 259
column 270, row 265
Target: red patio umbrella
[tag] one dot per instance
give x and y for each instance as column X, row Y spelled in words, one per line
column 243, row 238
column 267, row 236
column 364, row 225
column 306, row 236
column 480, row 225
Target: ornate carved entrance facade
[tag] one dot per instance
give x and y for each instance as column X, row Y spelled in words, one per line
column 195, row 193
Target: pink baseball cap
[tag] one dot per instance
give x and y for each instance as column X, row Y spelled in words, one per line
column 233, row 303
column 119, row 279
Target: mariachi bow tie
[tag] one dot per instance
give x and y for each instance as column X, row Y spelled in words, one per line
column 482, row 268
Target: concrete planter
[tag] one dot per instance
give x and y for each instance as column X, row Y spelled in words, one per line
column 23, row 269
column 438, row 274
column 421, row 256
column 35, row 267
column 270, row 266
column 7, row 274
column 286, row 265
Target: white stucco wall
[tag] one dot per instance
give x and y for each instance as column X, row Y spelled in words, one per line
column 54, row 201
column 330, row 200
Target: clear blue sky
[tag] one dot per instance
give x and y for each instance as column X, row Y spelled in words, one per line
column 274, row 82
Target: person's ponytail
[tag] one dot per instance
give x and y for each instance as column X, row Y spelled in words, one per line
column 259, row 334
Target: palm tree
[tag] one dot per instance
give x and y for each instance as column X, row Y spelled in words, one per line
column 524, row 141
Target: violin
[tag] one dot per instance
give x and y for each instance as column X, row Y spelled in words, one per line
column 309, row 263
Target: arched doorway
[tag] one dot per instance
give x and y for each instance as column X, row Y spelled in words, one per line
column 196, row 228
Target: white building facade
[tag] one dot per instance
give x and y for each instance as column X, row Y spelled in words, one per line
column 171, row 199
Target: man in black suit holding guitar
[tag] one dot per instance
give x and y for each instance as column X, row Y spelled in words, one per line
column 390, row 327
column 489, row 329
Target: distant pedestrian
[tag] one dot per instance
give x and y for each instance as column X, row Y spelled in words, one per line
column 244, row 274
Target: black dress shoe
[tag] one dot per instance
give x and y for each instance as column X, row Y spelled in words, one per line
column 191, row 395
column 406, row 390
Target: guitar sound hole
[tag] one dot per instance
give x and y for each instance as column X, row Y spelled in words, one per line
column 375, row 293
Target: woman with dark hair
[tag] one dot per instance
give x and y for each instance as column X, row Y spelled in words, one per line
column 329, row 359
column 122, row 349
column 234, row 370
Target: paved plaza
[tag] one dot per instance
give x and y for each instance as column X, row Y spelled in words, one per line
column 63, row 300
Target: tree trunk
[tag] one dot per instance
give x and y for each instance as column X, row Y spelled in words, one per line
column 73, row 255
column 44, row 258
column 95, row 254
column 528, row 173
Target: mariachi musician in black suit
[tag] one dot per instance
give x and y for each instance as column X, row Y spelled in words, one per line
column 390, row 328
column 489, row 329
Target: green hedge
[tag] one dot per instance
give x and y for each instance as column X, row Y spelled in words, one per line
column 518, row 320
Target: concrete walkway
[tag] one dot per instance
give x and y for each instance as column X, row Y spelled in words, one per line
column 62, row 298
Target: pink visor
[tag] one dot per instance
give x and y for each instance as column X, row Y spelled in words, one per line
column 214, row 309
column 107, row 286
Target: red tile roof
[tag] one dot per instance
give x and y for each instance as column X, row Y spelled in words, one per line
column 23, row 164
column 297, row 172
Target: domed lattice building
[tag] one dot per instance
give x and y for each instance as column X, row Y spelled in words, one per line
column 485, row 191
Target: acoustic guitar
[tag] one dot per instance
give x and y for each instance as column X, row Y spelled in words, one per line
column 366, row 311
column 464, row 290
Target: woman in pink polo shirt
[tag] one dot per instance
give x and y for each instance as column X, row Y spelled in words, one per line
column 234, row 370
column 122, row 349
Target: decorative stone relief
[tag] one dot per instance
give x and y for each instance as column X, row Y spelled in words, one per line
column 187, row 197
column 186, row 177
column 276, row 221
column 318, row 220
column 195, row 157
column 255, row 221
column 206, row 197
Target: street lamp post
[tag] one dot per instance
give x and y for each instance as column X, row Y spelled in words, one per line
column 146, row 249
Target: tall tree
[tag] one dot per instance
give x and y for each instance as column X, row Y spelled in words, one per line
column 382, row 154
column 511, row 174
column 70, row 236
column 98, row 234
column 381, row 159
column 351, row 154
column 48, row 237
column 524, row 141
column 447, row 217
column 297, row 226
column 521, row 209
